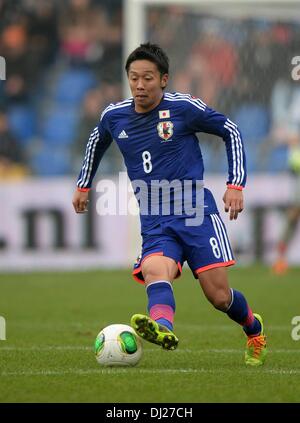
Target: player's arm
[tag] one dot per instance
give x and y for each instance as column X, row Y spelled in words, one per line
column 99, row 141
column 203, row 119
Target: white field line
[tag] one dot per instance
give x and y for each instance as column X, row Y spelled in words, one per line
column 48, row 348
column 80, row 372
column 62, row 348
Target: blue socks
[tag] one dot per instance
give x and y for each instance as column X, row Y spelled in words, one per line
column 161, row 303
column 240, row 312
column 161, row 308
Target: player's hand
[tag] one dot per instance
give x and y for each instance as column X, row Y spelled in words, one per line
column 80, row 201
column 234, row 202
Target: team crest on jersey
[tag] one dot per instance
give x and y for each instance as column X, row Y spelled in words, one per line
column 165, row 130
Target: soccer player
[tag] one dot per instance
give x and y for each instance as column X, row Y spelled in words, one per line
column 155, row 132
column 280, row 266
column 285, row 131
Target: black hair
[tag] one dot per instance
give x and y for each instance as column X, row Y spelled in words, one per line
column 151, row 52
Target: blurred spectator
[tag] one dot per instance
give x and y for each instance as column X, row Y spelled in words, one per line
column 285, row 132
column 12, row 11
column 172, row 27
column 43, row 31
column 182, row 80
column 259, row 61
column 12, row 163
column 21, row 66
column 113, row 9
column 88, row 38
column 213, row 62
column 93, row 103
column 54, row 49
column 292, row 214
column 77, row 30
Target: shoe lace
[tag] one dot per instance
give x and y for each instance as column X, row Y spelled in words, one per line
column 256, row 344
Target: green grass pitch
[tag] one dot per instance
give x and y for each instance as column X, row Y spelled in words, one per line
column 52, row 320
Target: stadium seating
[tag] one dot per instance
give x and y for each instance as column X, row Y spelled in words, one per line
column 253, row 121
column 51, row 161
column 72, row 85
column 278, row 159
column 252, row 156
column 22, row 122
column 60, row 126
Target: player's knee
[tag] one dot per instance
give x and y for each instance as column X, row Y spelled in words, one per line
column 153, row 275
column 221, row 300
column 159, row 268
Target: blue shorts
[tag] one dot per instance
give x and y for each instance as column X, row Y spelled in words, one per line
column 203, row 247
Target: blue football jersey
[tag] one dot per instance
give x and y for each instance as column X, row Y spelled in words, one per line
column 162, row 144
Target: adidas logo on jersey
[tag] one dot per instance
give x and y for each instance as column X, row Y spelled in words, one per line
column 123, row 134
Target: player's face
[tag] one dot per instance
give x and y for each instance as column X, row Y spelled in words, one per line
column 146, row 85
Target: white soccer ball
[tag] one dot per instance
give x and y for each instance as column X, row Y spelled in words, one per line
column 118, row 345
